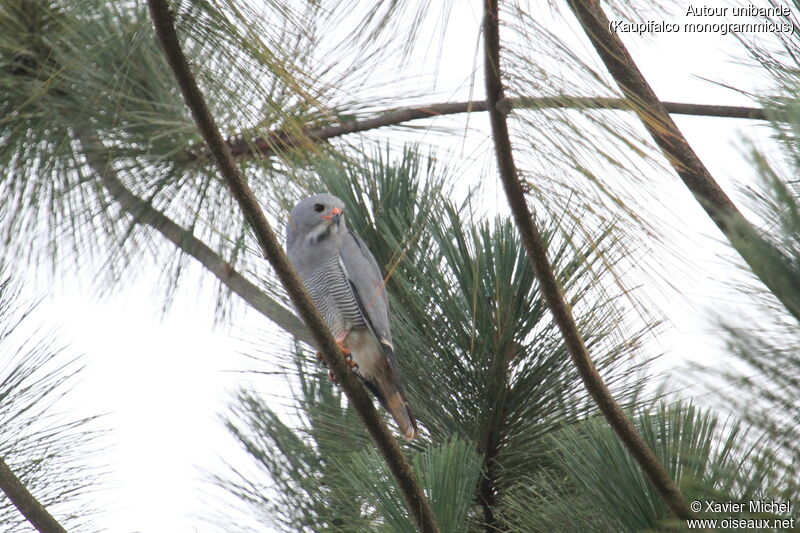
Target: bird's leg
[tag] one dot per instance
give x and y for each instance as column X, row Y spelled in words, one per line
column 346, row 352
column 348, row 356
column 343, row 348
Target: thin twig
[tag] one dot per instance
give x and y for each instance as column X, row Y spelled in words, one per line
column 415, row 498
column 277, row 141
column 551, row 290
column 33, row 511
column 766, row 261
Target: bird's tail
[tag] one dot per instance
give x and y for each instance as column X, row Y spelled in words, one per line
column 401, row 412
column 383, row 381
column 392, row 398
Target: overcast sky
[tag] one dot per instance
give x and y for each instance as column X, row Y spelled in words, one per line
column 164, row 379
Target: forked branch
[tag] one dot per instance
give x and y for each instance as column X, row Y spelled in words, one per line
column 551, row 290
column 415, row 498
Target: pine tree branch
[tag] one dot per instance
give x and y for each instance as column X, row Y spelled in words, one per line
column 776, row 272
column 278, row 141
column 143, row 212
column 33, row 511
column 490, row 444
column 487, row 487
column 551, row 290
column 416, row 501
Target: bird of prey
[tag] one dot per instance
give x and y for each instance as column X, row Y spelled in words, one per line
column 346, row 285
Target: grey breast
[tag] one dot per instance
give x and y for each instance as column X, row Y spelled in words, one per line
column 330, row 289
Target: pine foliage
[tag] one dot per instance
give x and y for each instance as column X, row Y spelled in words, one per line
column 50, row 451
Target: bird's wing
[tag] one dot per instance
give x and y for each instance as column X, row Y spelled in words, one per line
column 366, row 280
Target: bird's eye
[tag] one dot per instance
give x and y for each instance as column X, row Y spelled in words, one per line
column 319, row 208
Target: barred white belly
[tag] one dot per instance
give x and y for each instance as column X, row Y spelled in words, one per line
column 333, row 296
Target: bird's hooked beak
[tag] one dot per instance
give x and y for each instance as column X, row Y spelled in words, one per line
column 335, row 216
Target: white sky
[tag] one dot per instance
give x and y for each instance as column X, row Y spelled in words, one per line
column 163, row 380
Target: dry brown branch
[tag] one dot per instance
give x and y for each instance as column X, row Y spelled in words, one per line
column 551, row 290
column 277, row 141
column 415, row 498
column 766, row 262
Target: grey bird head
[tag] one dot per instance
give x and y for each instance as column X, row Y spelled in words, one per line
column 316, row 220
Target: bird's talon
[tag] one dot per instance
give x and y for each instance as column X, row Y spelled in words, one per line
column 342, row 347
